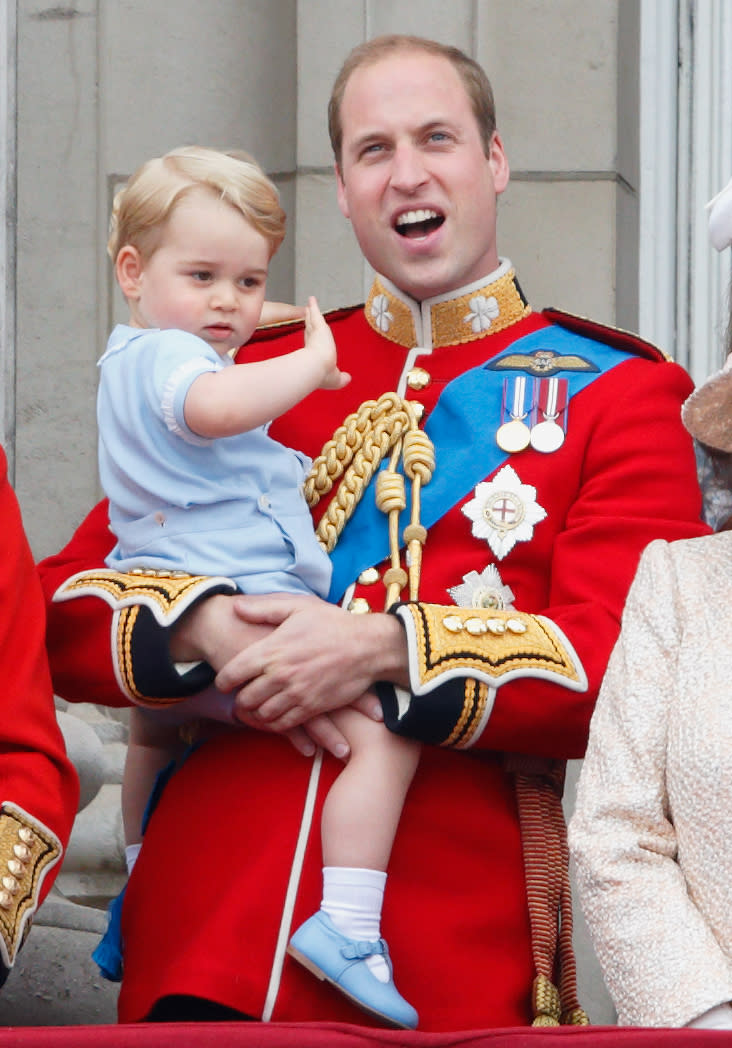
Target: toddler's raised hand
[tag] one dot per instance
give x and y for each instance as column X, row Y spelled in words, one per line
column 319, row 339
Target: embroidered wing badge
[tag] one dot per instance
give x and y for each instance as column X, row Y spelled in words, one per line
column 542, row 362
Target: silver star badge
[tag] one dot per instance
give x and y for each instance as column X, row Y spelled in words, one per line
column 504, row 512
column 484, row 590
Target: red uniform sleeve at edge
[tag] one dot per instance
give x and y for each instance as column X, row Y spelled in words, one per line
column 35, row 773
column 79, row 631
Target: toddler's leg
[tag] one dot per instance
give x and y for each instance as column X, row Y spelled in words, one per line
column 363, row 807
column 360, row 818
column 152, row 745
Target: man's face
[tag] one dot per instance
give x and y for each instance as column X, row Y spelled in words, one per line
column 414, row 179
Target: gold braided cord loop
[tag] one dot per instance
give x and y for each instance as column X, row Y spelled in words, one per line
column 339, row 451
column 387, row 426
column 356, row 451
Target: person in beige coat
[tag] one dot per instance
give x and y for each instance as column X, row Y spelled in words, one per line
column 652, row 832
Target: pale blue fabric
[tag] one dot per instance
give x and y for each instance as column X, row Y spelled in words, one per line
column 233, row 506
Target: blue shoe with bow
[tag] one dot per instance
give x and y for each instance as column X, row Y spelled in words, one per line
column 323, row 950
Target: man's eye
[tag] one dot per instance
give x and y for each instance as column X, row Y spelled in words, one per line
column 439, row 136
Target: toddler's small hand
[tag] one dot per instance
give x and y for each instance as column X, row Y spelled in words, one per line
column 319, row 339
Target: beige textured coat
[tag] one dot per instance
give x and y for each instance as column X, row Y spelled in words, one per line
column 652, row 832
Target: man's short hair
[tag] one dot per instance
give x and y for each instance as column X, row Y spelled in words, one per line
column 476, row 83
column 143, row 205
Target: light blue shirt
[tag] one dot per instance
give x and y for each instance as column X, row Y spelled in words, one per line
column 232, row 506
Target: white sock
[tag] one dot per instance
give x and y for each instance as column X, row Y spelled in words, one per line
column 131, row 853
column 352, row 898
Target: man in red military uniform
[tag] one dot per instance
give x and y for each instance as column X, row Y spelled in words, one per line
column 38, row 785
column 559, row 454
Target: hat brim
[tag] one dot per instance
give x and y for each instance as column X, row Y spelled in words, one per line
column 707, row 414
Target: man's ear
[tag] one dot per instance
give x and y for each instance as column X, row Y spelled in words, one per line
column 128, row 270
column 499, row 163
column 341, row 193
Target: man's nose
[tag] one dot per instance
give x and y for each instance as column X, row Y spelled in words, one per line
column 408, row 168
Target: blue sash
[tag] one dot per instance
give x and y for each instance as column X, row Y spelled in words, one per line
column 462, row 427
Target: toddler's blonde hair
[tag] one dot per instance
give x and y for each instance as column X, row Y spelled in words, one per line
column 144, row 204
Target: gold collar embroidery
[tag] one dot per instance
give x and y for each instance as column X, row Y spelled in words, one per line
column 447, row 320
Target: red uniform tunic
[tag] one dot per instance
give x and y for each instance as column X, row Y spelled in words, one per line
column 204, row 909
column 38, row 786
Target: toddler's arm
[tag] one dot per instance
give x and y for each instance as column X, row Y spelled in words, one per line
column 234, row 400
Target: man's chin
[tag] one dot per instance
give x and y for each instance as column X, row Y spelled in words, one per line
column 423, row 286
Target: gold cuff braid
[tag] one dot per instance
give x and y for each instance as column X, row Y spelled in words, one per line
column 28, row 850
column 166, row 593
column 492, row 646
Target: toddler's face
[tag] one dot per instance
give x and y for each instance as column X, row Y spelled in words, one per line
column 207, row 276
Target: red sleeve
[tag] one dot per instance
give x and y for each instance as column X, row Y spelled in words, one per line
column 79, row 632
column 35, row 773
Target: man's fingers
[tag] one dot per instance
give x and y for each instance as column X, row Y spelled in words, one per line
column 272, row 609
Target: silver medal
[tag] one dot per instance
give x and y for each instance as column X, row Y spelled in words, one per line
column 547, row 436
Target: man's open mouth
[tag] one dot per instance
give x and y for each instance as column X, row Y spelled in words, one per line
column 418, row 223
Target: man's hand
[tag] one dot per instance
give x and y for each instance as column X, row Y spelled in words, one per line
column 319, row 658
column 216, row 632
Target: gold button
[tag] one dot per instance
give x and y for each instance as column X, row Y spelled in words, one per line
column 452, row 623
column 15, row 867
column 26, row 836
column 21, row 852
column 10, row 884
column 359, row 606
column 418, row 378
column 6, row 900
column 369, row 576
column 418, row 409
column 496, row 626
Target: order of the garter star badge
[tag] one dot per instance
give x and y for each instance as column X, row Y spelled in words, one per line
column 504, row 511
